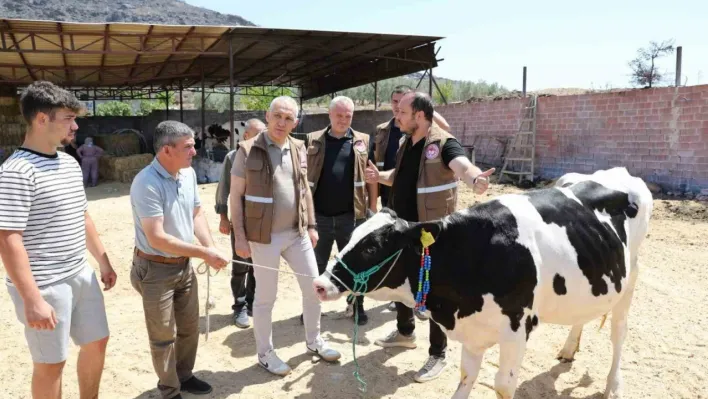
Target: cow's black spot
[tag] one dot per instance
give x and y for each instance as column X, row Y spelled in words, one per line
column 477, row 254
column 559, row 285
column 599, row 249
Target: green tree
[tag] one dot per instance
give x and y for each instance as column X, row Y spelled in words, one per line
column 446, row 88
column 114, row 108
column 259, row 98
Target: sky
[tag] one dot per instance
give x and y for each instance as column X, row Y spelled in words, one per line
column 565, row 44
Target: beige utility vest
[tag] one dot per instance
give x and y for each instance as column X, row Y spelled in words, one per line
column 315, row 162
column 437, row 184
column 258, row 212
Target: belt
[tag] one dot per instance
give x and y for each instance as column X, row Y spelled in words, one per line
column 161, row 259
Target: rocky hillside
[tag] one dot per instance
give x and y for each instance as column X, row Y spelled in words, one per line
column 173, row 12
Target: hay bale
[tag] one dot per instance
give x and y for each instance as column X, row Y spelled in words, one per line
column 119, row 145
column 12, row 134
column 128, row 175
column 112, row 168
column 5, row 152
column 8, row 101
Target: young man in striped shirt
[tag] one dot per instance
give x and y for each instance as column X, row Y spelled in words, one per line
column 45, row 230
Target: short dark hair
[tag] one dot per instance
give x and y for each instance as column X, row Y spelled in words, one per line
column 423, row 102
column 168, row 132
column 401, row 89
column 46, row 97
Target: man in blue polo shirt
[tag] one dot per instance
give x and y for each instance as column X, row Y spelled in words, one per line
column 167, row 215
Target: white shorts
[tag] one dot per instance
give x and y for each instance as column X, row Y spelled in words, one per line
column 81, row 315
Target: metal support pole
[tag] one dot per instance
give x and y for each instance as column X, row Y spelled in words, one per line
column 181, row 108
column 376, row 95
column 679, row 54
column 167, row 104
column 94, row 102
column 430, row 82
column 439, row 91
column 231, row 93
column 523, row 90
column 203, row 106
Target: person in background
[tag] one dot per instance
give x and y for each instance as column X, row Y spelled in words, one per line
column 243, row 283
column 336, row 160
column 89, row 154
column 45, row 230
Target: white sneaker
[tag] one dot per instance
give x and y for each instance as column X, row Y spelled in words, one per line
column 271, row 362
column 322, row 349
column 431, row 369
column 397, row 340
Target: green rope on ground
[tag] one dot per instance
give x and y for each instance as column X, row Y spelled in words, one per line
column 357, row 374
column 361, row 286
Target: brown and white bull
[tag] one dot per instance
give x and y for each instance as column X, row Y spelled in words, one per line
column 562, row 255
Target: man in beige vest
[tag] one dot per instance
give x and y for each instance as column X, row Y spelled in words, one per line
column 424, row 187
column 336, row 160
column 278, row 219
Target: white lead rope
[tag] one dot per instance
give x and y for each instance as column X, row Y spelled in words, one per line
column 203, row 268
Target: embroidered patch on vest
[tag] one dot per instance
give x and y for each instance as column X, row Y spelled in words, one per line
column 360, row 146
column 432, row 151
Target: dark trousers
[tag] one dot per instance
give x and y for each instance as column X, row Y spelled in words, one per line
column 330, row 229
column 405, row 321
column 243, row 283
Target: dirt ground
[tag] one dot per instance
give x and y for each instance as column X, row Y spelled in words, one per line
column 664, row 356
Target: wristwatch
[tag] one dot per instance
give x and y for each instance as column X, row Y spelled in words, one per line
column 312, row 226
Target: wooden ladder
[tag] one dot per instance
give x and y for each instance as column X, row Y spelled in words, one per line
column 521, row 153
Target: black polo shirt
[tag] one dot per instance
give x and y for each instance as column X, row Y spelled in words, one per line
column 404, row 186
column 335, row 189
column 394, row 138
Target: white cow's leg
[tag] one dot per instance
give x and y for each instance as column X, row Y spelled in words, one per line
column 572, row 345
column 469, row 370
column 511, row 353
column 618, row 334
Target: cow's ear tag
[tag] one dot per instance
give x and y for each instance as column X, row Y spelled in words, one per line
column 426, row 238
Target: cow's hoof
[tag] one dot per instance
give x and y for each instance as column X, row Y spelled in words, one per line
column 565, row 356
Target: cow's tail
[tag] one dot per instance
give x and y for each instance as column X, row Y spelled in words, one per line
column 602, row 322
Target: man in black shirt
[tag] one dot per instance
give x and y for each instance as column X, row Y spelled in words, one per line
column 336, row 163
column 445, row 163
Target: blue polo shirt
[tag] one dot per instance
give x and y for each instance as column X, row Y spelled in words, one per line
column 155, row 193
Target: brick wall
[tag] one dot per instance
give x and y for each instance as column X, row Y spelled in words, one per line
column 660, row 134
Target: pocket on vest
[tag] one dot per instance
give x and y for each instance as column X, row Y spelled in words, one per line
column 437, row 200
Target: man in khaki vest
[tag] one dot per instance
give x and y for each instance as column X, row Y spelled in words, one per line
column 278, row 219
column 424, row 187
column 336, row 161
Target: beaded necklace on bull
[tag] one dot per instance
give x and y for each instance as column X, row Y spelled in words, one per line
column 424, row 272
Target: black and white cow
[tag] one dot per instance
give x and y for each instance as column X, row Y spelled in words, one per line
column 562, row 255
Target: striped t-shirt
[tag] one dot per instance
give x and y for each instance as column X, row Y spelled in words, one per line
column 43, row 196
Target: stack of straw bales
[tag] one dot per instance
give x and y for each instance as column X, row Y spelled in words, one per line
column 12, row 127
column 122, row 169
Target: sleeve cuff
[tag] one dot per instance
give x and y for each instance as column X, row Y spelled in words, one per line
column 221, row 209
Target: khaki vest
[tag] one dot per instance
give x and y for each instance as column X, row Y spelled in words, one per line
column 381, row 143
column 315, row 162
column 258, row 212
column 437, row 184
